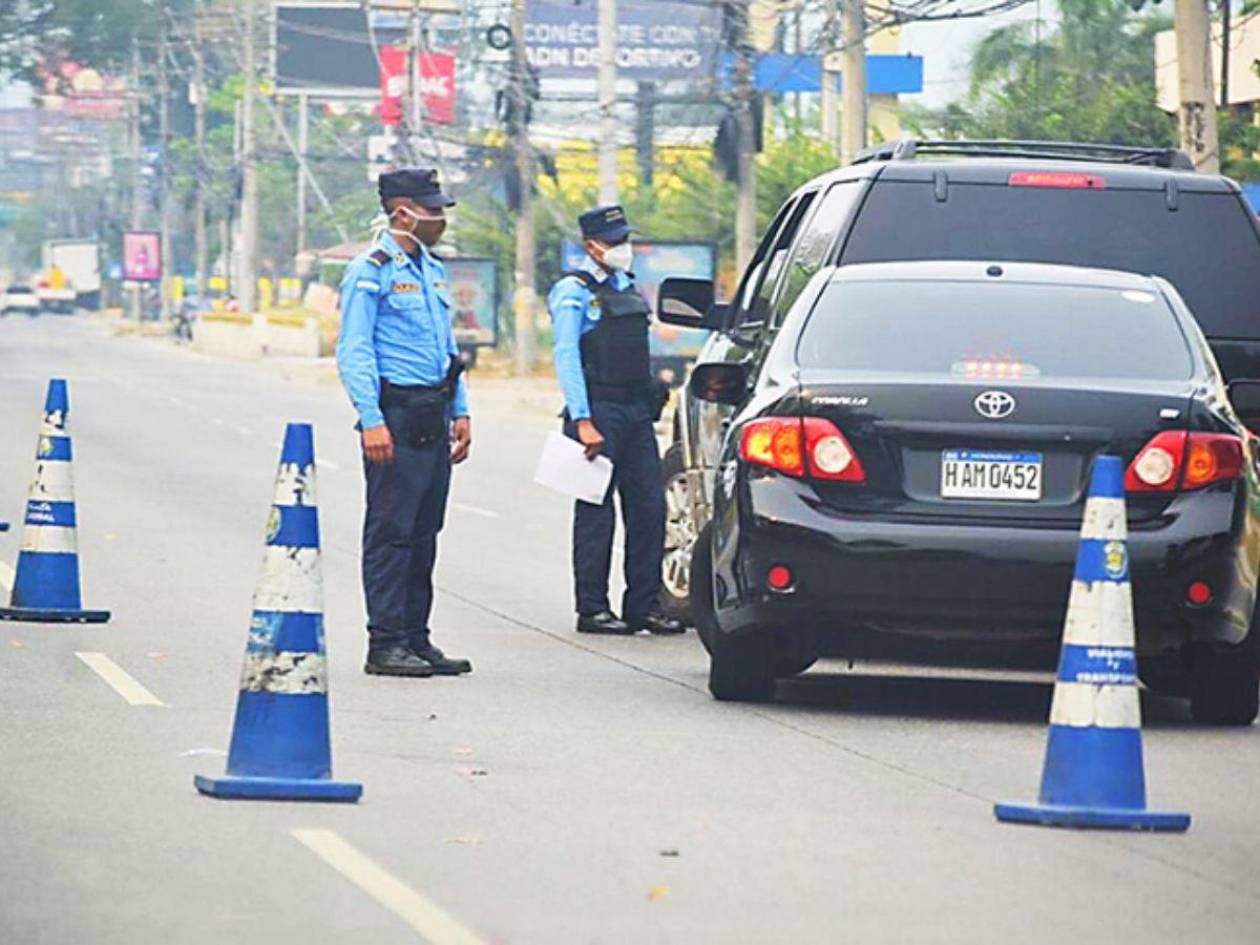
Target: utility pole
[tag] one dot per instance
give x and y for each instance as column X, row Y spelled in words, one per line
column 1226, row 29
column 247, row 290
column 164, row 176
column 607, row 101
column 829, row 106
column 745, row 101
column 137, row 173
column 525, row 300
column 1197, row 111
column 645, row 131
column 414, row 111
column 304, row 144
column 199, row 132
column 853, row 119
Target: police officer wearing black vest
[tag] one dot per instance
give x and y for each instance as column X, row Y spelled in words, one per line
column 600, row 326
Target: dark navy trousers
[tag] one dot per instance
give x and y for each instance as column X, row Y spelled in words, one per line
column 406, row 508
column 632, row 447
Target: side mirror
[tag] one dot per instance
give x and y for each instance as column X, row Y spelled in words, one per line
column 1245, row 396
column 719, row 383
column 689, row 303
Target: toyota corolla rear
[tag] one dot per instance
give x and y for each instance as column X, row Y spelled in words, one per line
column 924, row 472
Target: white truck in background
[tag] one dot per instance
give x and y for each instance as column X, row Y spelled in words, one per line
column 71, row 275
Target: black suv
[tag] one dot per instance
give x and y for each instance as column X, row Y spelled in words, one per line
column 1136, row 210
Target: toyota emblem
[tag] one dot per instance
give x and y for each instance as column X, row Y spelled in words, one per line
column 995, row 404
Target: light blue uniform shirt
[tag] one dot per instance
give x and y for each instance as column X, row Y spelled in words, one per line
column 572, row 316
column 396, row 326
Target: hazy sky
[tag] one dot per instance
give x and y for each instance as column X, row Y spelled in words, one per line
column 946, row 49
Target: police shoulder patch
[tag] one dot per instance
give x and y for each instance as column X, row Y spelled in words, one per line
column 378, row 257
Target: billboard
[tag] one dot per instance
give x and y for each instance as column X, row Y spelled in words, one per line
column 562, row 39
column 653, row 264
column 474, row 288
column 327, row 48
column 142, row 256
column 437, row 86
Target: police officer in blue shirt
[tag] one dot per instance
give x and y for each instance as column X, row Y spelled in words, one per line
column 401, row 367
column 600, row 327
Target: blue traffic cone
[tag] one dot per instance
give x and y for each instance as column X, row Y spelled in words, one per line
column 46, row 588
column 280, row 748
column 1093, row 774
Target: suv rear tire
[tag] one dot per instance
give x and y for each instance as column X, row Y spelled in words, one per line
column 681, row 538
column 1225, row 686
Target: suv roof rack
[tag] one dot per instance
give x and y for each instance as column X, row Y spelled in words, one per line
column 907, row 149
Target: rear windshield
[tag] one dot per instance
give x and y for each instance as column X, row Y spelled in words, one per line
column 995, row 331
column 1207, row 248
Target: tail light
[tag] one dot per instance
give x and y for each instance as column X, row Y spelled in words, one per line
column 790, row 445
column 1177, row 459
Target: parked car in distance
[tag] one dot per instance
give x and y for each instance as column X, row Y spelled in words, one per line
column 20, row 298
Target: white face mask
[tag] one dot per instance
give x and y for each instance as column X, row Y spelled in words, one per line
column 619, row 257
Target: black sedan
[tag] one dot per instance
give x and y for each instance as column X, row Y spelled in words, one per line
column 905, row 472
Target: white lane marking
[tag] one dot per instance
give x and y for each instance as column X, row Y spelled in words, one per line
column 474, row 510
column 434, row 925
column 326, row 464
column 7, row 577
column 118, row 679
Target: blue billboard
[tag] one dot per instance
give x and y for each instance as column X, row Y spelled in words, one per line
column 562, row 39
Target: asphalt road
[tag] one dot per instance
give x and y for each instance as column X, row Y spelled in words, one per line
column 572, row 790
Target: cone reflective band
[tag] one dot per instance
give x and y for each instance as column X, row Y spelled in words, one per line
column 46, row 583
column 280, row 746
column 1094, row 773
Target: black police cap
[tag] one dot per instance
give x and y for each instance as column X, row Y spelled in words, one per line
column 605, row 223
column 418, row 183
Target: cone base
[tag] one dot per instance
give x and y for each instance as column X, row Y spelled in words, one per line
column 1097, row 818
column 278, row 789
column 53, row 615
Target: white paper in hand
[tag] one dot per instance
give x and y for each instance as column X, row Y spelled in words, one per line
column 563, row 466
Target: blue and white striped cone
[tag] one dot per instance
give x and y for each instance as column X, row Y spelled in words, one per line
column 1093, row 774
column 280, row 747
column 46, row 587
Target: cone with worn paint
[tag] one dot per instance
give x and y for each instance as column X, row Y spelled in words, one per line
column 1093, row 774
column 46, row 586
column 280, row 746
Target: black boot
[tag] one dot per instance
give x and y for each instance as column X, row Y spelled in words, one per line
column 603, row 622
column 396, row 661
column 660, row 624
column 442, row 664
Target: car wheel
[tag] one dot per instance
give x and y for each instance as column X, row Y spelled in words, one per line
column 1225, row 686
column 702, row 614
column 680, row 538
column 794, row 653
column 741, row 667
column 1166, row 676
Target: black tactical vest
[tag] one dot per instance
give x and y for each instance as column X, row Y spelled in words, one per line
column 615, row 354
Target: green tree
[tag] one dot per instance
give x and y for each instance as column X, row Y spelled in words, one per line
column 1090, row 78
column 98, row 33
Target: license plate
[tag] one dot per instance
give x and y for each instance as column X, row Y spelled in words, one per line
column 985, row 474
